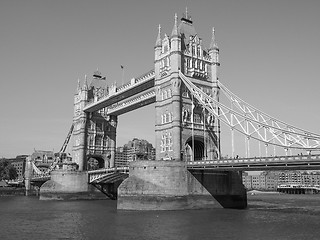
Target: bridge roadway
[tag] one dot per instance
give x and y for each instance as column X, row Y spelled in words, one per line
column 298, row 162
column 132, row 95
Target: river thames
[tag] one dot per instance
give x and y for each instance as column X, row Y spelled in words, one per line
column 269, row 216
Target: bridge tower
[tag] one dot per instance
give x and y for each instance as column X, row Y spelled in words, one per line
column 184, row 130
column 94, row 134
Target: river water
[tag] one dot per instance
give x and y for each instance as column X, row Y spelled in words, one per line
column 275, row 217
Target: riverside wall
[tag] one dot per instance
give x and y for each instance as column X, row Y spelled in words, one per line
column 168, row 185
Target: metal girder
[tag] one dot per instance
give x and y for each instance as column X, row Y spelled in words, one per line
column 252, row 122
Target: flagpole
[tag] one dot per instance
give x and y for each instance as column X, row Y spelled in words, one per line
column 122, row 73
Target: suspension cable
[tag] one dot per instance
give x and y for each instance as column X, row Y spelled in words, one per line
column 279, row 133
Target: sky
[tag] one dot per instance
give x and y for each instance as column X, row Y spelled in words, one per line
column 269, row 54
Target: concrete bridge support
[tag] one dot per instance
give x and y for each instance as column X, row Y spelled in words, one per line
column 225, row 186
column 69, row 185
column 168, row 185
column 28, row 173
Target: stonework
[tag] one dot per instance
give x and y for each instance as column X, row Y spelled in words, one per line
column 94, row 135
column 162, row 185
column 168, row 185
column 184, row 130
column 69, row 185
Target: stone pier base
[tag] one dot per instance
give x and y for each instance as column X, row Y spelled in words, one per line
column 69, row 185
column 168, row 185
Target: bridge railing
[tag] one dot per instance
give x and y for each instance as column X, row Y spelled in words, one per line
column 275, row 159
column 40, row 176
column 96, row 174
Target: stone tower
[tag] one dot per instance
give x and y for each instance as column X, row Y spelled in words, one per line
column 94, row 134
column 184, row 130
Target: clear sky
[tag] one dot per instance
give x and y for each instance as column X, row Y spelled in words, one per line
column 269, row 52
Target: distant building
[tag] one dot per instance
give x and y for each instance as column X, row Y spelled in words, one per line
column 19, row 163
column 246, row 180
column 292, row 177
column 42, row 157
column 135, row 149
column 312, row 178
column 269, row 180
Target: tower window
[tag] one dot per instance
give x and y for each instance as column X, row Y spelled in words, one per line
column 199, row 51
column 166, row 142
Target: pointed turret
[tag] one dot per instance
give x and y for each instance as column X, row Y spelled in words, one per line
column 78, row 86
column 214, row 55
column 158, row 41
column 174, row 32
column 175, row 40
column 187, row 17
column 85, row 83
column 158, row 46
column 213, row 44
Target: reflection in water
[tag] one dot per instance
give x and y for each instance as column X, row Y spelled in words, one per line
column 29, row 218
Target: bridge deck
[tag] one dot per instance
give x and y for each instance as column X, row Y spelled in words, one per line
column 133, row 88
column 299, row 162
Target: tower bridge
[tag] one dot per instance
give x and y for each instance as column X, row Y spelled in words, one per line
column 186, row 90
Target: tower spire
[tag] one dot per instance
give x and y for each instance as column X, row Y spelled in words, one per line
column 78, row 86
column 186, row 16
column 158, row 41
column 213, row 44
column 85, row 84
column 175, row 27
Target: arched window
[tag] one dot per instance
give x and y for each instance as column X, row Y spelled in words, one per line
column 98, row 140
column 105, row 141
column 170, row 141
column 199, row 51
column 91, row 141
column 169, row 93
column 165, row 94
column 196, row 118
column 162, row 145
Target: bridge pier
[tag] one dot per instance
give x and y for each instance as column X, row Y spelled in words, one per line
column 28, row 173
column 69, row 185
column 168, row 185
column 225, row 186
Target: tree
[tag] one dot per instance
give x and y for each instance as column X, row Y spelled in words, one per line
column 7, row 171
column 141, row 156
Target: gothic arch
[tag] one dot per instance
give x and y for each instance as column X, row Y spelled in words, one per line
column 198, row 144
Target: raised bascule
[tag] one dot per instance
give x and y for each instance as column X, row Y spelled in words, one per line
column 189, row 171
